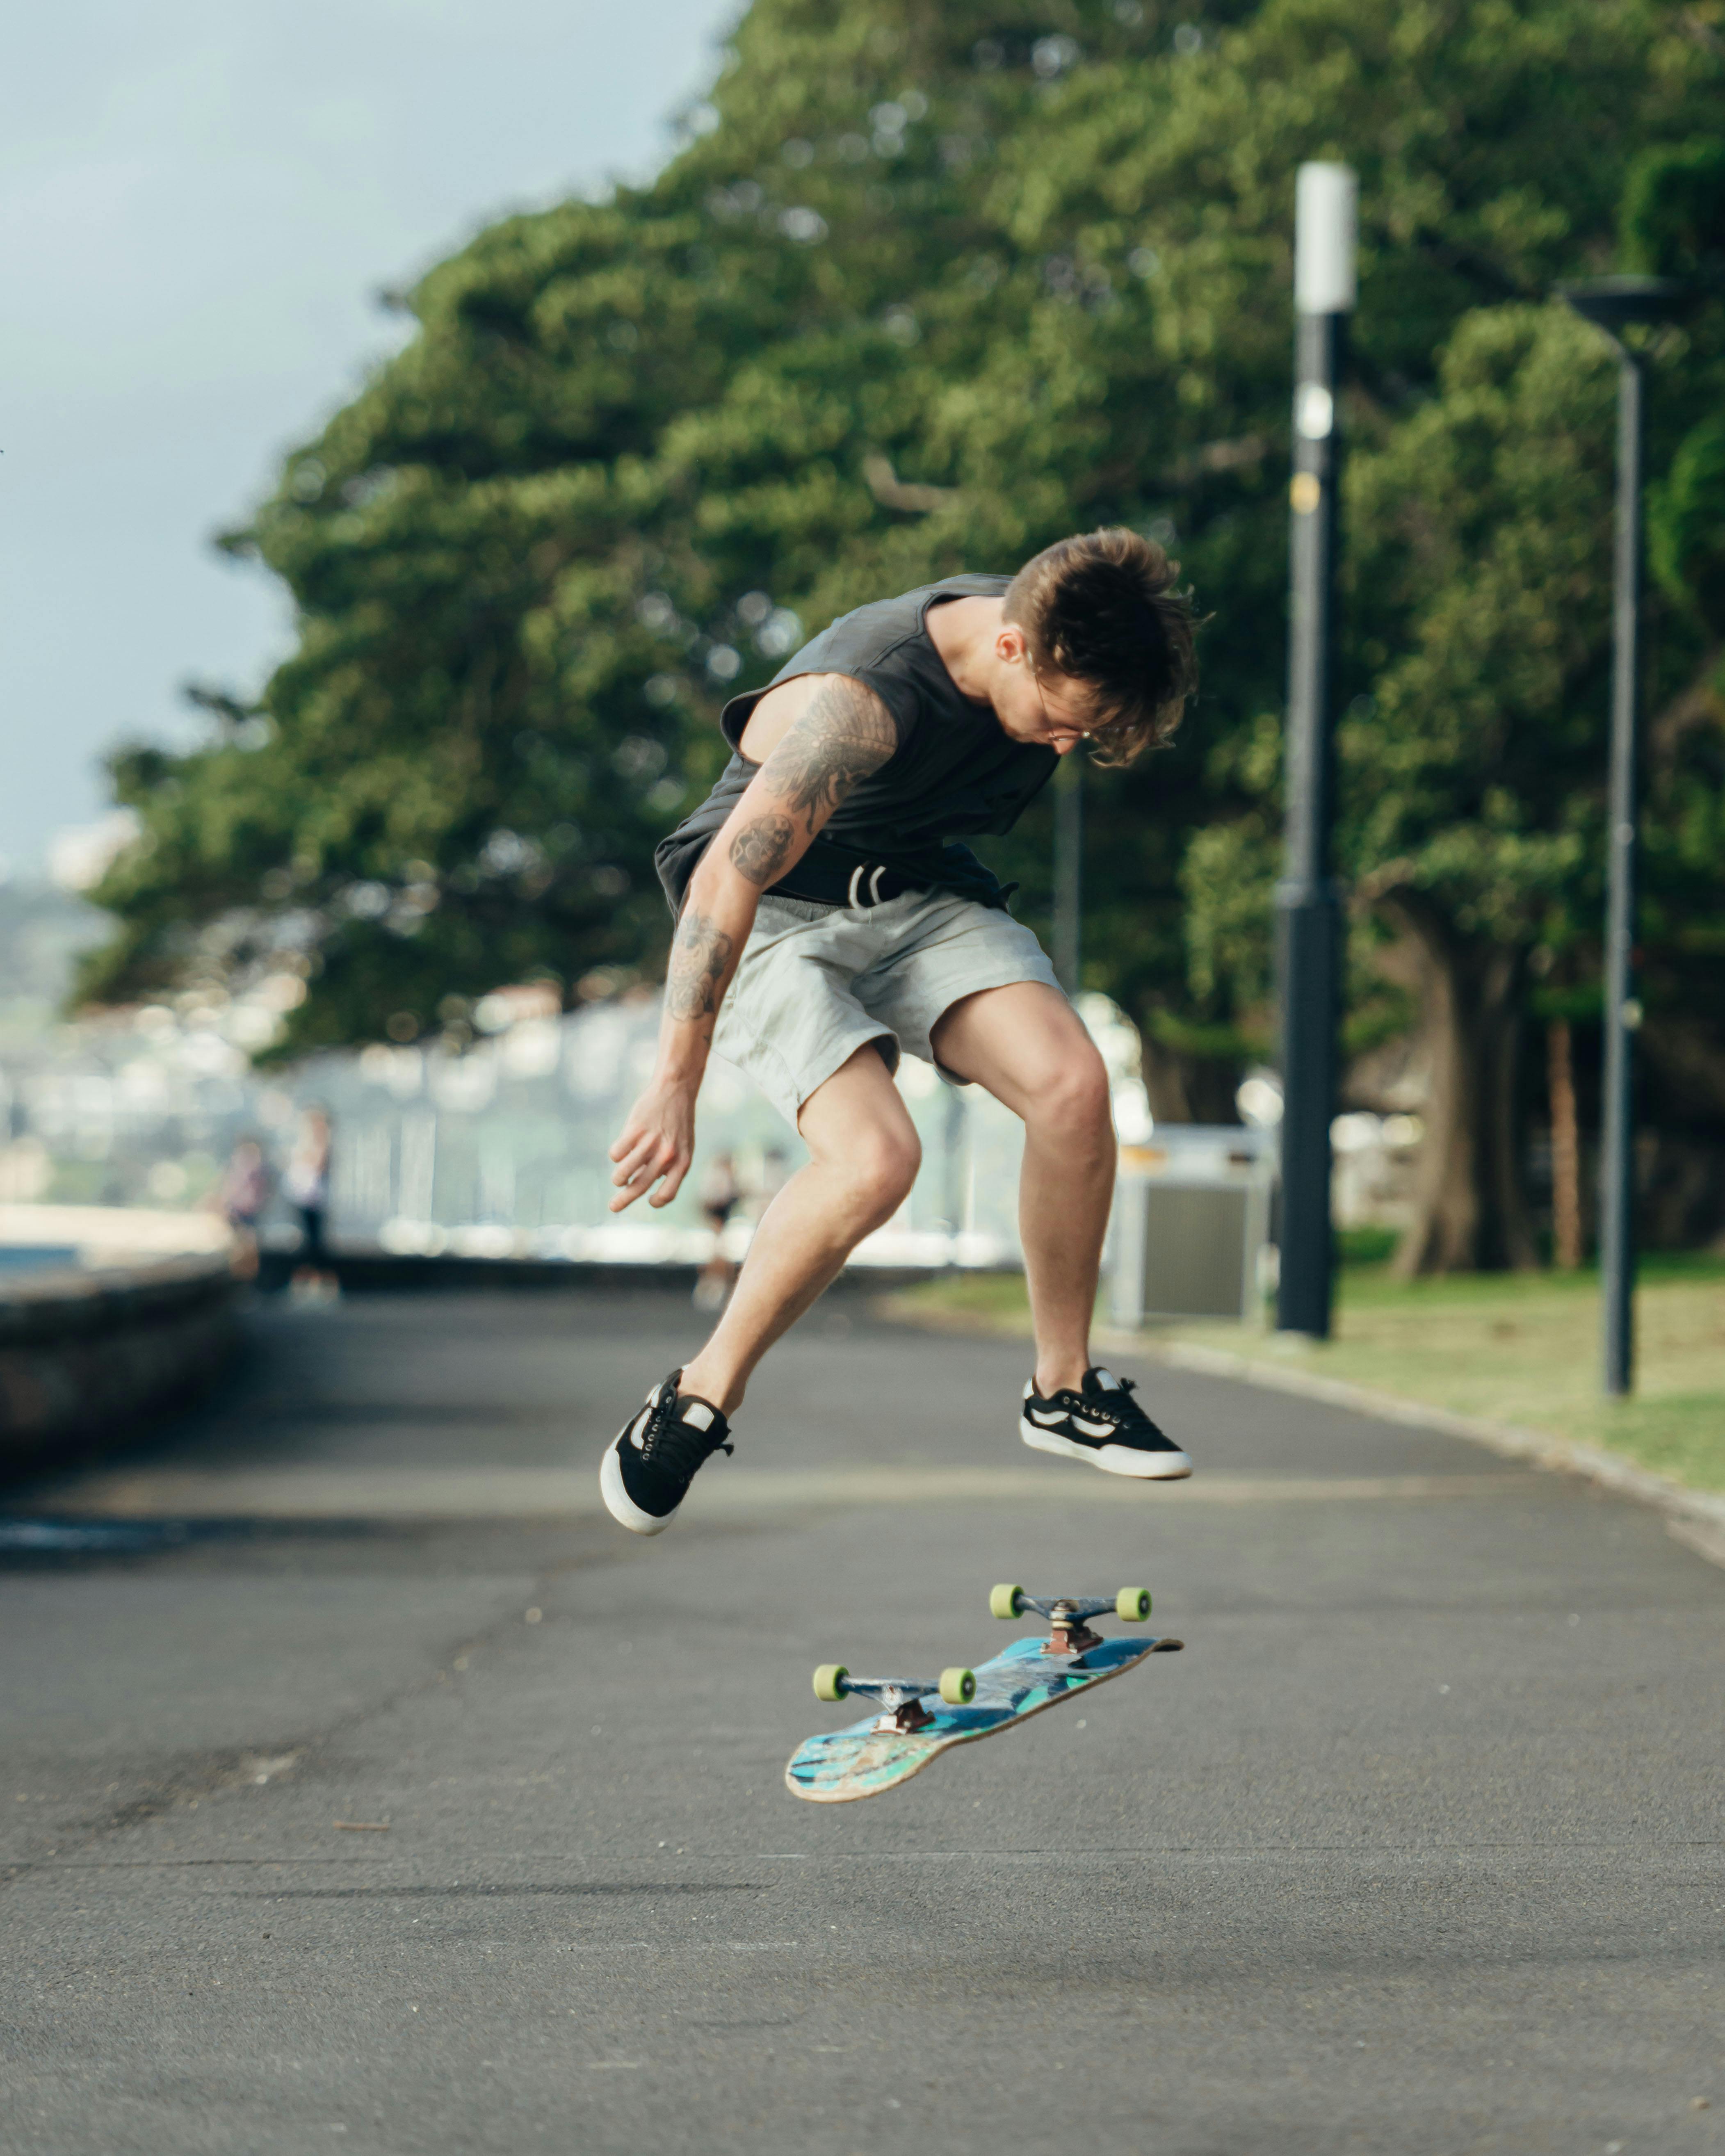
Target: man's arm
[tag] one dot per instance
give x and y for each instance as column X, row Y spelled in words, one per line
column 842, row 733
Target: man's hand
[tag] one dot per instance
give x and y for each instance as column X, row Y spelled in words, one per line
column 659, row 1139
column 656, row 1145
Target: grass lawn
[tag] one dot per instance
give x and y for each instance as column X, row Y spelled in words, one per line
column 1515, row 1348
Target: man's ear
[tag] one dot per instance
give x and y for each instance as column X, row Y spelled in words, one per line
column 1011, row 644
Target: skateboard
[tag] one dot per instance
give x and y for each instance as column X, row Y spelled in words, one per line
column 920, row 1717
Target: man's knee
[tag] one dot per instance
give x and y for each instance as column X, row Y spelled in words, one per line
column 879, row 1164
column 1073, row 1100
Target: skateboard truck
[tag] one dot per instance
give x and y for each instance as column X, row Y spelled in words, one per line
column 902, row 1697
column 1069, row 1633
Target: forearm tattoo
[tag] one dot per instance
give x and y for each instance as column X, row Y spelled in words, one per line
column 845, row 734
column 762, row 848
column 700, row 958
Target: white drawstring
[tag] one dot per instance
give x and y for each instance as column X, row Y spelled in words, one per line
column 853, row 904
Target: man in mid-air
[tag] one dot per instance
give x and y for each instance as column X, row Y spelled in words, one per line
column 827, row 920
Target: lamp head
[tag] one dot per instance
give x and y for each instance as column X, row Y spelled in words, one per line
column 1326, row 239
column 1615, row 304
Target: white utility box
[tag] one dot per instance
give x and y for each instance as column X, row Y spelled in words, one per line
column 1191, row 1221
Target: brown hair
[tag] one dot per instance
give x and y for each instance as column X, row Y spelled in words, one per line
column 1101, row 609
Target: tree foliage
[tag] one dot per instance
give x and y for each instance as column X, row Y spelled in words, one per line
column 936, row 286
column 1472, row 764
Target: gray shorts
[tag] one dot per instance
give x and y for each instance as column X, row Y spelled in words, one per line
column 820, row 982
column 816, row 983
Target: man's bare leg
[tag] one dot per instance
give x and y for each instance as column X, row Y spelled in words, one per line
column 1028, row 1046
column 863, row 1155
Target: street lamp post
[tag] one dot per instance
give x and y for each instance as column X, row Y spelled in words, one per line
column 1069, row 873
column 1613, row 304
column 1308, row 906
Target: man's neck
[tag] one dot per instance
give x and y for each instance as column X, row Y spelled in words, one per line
column 963, row 631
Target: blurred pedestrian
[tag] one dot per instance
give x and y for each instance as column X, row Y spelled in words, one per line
column 241, row 1197
column 306, row 1187
column 719, row 1194
column 775, row 1173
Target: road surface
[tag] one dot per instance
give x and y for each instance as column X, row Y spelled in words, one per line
column 404, row 1804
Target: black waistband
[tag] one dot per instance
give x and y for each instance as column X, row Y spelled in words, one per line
column 837, row 883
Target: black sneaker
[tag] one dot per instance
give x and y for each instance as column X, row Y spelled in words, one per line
column 646, row 1473
column 1104, row 1426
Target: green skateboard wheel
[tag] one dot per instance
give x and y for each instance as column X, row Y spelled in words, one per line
column 1005, row 1601
column 1132, row 1604
column 830, row 1681
column 957, row 1686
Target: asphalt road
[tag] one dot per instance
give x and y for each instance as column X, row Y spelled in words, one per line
column 1416, row 1848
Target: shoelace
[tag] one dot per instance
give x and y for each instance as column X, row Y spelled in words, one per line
column 678, row 1445
column 1099, row 1405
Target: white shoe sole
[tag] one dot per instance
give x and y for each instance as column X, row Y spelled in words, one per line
column 1112, row 1458
column 621, row 1506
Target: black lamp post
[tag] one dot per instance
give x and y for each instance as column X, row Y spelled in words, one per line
column 1068, row 872
column 1307, row 903
column 1614, row 305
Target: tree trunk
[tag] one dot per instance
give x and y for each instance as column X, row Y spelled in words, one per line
column 1471, row 1206
column 1565, row 1146
column 1187, row 1089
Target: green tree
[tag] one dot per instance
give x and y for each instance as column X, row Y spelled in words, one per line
column 1473, row 761
column 530, row 558
column 939, row 285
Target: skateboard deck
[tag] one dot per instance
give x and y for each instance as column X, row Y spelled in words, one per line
column 869, row 1758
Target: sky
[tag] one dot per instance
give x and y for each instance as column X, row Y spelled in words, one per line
column 199, row 202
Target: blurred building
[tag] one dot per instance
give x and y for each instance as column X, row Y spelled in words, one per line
column 491, row 1141
column 501, row 1149
column 491, row 1145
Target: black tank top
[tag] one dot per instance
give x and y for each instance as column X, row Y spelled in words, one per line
column 955, row 773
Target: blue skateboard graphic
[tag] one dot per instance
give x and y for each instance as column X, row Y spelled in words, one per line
column 920, row 1717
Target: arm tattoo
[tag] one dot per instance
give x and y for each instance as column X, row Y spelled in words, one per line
column 845, row 734
column 761, row 848
column 701, row 954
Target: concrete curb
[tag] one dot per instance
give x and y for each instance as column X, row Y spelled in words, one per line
column 365, row 1271
column 1703, row 1509
column 84, row 1357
